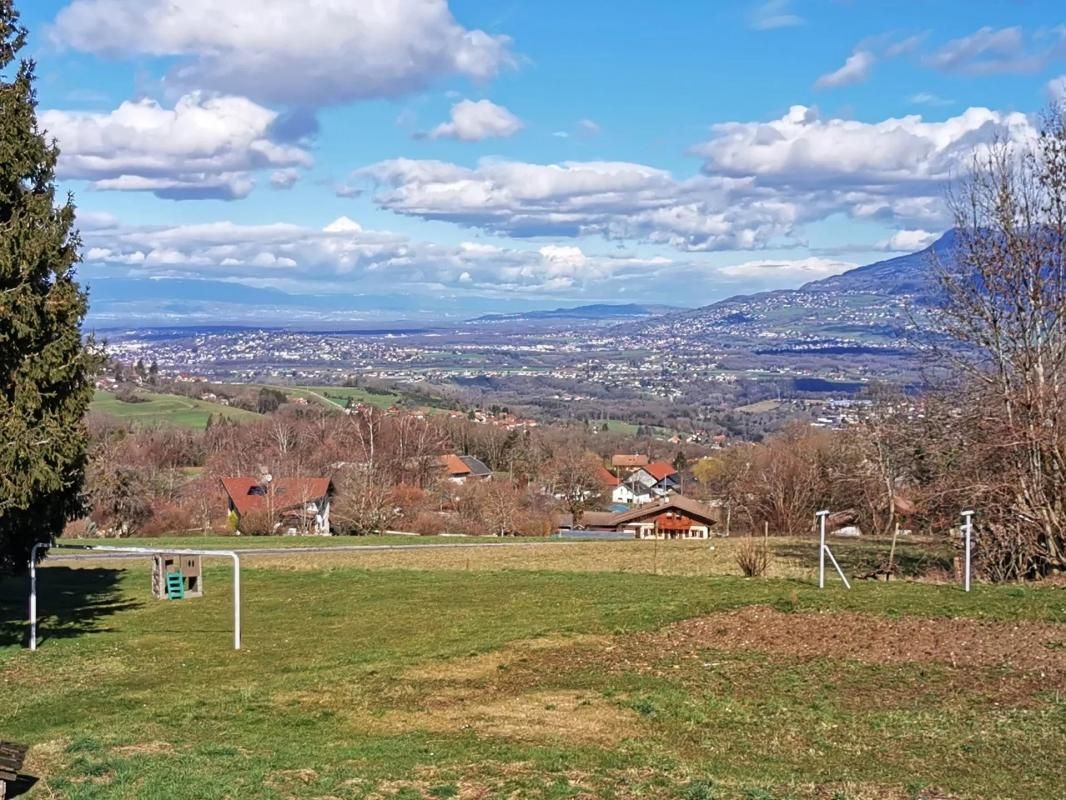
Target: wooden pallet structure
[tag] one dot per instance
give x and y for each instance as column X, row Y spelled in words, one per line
column 11, row 757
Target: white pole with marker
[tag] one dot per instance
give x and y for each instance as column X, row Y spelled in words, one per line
column 967, row 530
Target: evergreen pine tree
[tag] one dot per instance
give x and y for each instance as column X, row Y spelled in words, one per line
column 45, row 368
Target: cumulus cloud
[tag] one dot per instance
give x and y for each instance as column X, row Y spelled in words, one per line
column 302, row 52
column 855, row 69
column 203, row 147
column 908, row 241
column 992, row 51
column 760, row 183
column 771, row 14
column 801, row 149
column 474, row 120
column 332, row 257
column 619, row 200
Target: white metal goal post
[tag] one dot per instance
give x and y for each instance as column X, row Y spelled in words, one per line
column 145, row 551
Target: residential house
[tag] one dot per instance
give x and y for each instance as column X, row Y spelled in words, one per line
column 624, row 463
column 672, row 517
column 297, row 505
column 646, row 483
column 460, row 469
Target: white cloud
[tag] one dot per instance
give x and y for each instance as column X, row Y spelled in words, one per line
column 309, row 260
column 908, row 241
column 786, row 271
column 929, row 99
column 905, row 46
column 802, row 149
column 991, row 51
column 1056, row 89
column 305, row 52
column 472, row 121
column 587, row 127
column 619, row 200
column 855, row 69
column 760, row 183
column 202, row 147
column 284, row 178
column 771, row 14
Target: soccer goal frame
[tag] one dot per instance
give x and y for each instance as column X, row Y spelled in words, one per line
column 137, row 551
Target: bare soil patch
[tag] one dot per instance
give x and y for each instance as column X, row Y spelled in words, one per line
column 1025, row 646
column 534, row 716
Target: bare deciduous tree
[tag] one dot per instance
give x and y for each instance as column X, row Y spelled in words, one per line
column 1004, row 304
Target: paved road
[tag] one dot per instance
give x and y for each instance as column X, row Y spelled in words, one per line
column 58, row 554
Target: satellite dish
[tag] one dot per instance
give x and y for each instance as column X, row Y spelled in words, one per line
column 268, row 478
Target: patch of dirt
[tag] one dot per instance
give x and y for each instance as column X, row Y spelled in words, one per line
column 535, row 716
column 487, row 665
column 145, row 748
column 291, row 783
column 1025, row 646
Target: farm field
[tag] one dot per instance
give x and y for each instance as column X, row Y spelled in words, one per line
column 761, row 407
column 366, row 681
column 165, row 409
column 340, row 395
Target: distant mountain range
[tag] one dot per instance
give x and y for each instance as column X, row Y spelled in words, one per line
column 869, row 309
column 596, row 312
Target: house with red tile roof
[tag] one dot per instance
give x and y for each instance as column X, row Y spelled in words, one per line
column 295, row 505
column 646, row 483
column 623, row 462
column 671, row 517
column 460, row 469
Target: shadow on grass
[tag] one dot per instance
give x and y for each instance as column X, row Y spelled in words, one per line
column 860, row 557
column 70, row 602
column 21, row 785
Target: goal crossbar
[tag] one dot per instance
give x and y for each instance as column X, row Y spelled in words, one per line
column 141, row 551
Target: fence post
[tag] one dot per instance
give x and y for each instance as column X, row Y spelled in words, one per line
column 967, row 530
column 821, row 515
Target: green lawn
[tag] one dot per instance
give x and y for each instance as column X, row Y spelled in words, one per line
column 165, row 409
column 391, row 683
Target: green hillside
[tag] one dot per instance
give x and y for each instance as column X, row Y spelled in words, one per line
column 164, row 409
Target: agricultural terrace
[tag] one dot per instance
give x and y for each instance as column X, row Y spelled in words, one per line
column 556, row 670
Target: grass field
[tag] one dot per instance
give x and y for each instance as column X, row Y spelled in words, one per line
column 165, row 409
column 760, row 407
column 590, row 678
column 340, row 395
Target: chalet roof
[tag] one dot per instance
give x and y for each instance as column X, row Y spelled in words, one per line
column 248, row 494
column 628, row 460
column 606, row 478
column 660, row 470
column 454, row 466
column 477, row 467
column 676, row 503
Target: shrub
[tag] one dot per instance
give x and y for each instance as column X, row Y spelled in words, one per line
column 753, row 557
column 257, row 523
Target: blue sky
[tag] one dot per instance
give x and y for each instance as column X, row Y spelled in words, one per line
column 332, row 160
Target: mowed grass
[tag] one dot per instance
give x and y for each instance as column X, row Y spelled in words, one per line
column 527, row 682
column 165, row 409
